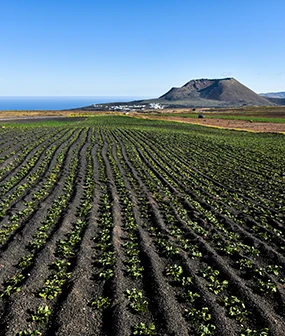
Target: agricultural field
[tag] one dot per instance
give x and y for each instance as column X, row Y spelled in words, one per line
column 254, row 119
column 123, row 226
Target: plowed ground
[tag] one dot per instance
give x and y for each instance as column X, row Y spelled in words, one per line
column 121, row 226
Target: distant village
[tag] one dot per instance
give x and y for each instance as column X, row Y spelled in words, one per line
column 127, row 108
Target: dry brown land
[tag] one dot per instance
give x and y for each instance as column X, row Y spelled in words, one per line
column 223, row 123
column 43, row 113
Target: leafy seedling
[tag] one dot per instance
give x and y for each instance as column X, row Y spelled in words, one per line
column 101, row 303
column 41, row 315
column 143, row 329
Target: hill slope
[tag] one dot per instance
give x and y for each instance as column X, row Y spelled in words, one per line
column 216, row 92
column 277, row 101
column 273, row 95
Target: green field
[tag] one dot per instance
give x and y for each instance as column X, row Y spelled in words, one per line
column 113, row 225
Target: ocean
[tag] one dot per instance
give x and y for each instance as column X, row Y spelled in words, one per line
column 56, row 103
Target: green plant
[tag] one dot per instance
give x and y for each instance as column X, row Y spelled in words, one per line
column 194, row 251
column 41, row 315
column 235, row 308
column 252, row 332
column 260, row 272
column 9, row 290
column 29, row 332
column 273, row 269
column 266, row 286
column 101, row 303
column 106, row 274
column 135, row 271
column 209, row 273
column 136, row 300
column 107, row 259
column 216, row 287
column 175, row 271
column 16, row 279
column 190, row 296
column 206, row 329
column 199, row 315
column 50, row 291
column 26, row 261
column 60, row 264
column 143, row 329
column 244, row 264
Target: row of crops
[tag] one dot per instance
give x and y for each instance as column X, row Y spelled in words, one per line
column 121, row 226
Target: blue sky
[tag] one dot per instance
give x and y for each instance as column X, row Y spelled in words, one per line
column 138, row 48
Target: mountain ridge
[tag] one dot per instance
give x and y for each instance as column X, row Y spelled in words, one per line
column 273, row 95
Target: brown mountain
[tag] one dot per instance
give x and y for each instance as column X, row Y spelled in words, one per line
column 213, row 92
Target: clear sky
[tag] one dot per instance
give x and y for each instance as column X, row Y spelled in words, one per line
column 138, row 48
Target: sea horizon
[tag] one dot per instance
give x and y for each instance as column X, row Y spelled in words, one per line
column 20, row 103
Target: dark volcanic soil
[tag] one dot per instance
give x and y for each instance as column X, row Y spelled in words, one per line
column 36, row 119
column 128, row 229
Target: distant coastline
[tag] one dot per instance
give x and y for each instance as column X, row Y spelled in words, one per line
column 57, row 102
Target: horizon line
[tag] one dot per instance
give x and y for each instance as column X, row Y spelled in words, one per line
column 68, row 96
